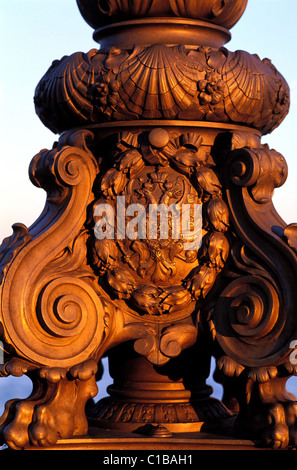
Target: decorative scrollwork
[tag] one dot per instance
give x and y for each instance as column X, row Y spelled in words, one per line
column 60, row 321
column 252, row 314
column 67, row 327
column 247, row 319
column 261, row 169
column 177, row 337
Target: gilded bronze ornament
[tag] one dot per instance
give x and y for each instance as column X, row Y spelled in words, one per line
column 163, row 117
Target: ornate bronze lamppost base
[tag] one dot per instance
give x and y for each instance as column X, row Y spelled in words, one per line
column 158, row 246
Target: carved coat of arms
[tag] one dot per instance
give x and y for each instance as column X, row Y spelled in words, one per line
column 159, row 222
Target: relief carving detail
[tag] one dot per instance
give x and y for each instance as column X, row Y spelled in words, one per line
column 162, row 82
column 153, row 272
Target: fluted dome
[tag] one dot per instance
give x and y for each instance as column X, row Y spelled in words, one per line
column 101, row 12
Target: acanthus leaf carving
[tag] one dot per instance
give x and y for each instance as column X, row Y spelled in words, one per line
column 10, row 245
column 229, row 367
column 218, row 214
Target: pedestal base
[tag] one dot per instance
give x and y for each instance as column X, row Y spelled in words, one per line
column 113, row 440
column 144, row 395
column 179, row 417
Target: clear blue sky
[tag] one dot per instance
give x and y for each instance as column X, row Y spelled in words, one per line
column 35, row 32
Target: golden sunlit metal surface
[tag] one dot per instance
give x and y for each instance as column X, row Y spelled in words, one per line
column 158, row 247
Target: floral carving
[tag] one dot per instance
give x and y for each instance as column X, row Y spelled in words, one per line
column 212, row 90
column 105, row 94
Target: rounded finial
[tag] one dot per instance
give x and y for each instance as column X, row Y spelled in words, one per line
column 158, row 137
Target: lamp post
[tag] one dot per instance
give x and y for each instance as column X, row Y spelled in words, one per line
column 159, row 245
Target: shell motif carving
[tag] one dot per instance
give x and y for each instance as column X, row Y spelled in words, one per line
column 161, row 82
column 158, row 275
column 100, row 12
column 153, row 84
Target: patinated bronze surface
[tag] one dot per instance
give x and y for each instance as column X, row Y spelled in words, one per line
column 162, row 114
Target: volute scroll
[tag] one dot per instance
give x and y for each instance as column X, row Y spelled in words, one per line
column 61, row 310
column 259, row 302
column 253, row 319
